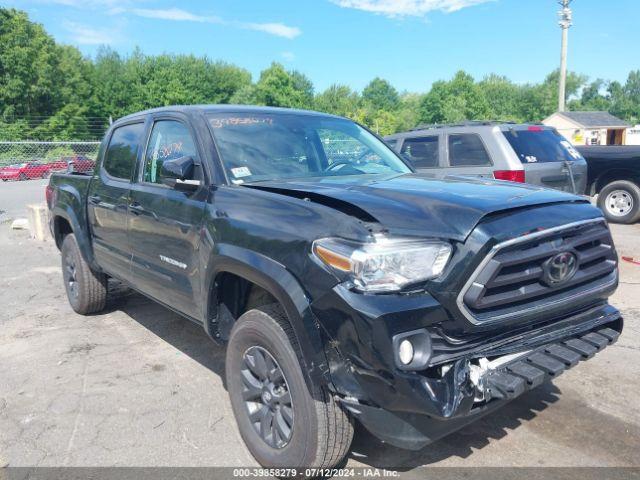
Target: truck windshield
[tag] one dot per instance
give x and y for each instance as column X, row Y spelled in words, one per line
column 536, row 145
column 257, row 147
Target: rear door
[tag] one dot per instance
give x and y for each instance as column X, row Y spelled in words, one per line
column 467, row 155
column 108, row 199
column 164, row 223
column 548, row 159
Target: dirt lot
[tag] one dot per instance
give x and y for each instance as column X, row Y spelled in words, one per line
column 139, row 386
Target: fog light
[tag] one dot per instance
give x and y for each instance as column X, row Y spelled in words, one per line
column 405, row 352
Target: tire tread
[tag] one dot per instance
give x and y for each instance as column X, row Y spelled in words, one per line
column 93, row 285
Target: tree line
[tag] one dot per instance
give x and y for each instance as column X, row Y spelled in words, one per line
column 50, row 91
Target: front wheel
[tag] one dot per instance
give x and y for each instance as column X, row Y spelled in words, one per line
column 284, row 422
column 86, row 289
column 620, row 201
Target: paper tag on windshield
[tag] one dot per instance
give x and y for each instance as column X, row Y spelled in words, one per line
column 240, row 172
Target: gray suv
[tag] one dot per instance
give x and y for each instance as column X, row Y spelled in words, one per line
column 529, row 153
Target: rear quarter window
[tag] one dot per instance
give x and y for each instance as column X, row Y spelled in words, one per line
column 538, row 145
column 120, row 156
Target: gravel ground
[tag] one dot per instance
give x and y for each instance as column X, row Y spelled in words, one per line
column 139, row 386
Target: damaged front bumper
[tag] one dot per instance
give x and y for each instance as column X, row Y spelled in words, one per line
column 502, row 380
column 466, row 379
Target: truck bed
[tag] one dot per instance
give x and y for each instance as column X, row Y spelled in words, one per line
column 67, row 196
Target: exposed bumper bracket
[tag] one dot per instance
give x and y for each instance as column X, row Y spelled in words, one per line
column 548, row 362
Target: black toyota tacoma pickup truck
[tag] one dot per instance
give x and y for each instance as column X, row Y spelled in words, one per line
column 345, row 286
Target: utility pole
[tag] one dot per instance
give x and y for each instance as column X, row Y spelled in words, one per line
column 565, row 23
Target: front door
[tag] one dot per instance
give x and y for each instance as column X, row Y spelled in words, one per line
column 424, row 153
column 108, row 199
column 164, row 223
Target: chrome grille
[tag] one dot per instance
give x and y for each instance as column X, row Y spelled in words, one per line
column 513, row 279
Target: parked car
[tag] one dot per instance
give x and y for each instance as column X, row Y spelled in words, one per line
column 345, row 286
column 24, row 171
column 534, row 154
column 76, row 163
column 614, row 175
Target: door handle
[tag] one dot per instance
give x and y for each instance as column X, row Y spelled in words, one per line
column 136, row 208
column 95, row 199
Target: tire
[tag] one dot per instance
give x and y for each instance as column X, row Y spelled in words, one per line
column 321, row 431
column 620, row 201
column 22, row 177
column 86, row 289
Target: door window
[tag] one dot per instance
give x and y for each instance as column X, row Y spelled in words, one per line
column 121, row 153
column 169, row 140
column 422, row 152
column 467, row 150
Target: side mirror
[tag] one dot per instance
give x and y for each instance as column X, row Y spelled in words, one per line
column 178, row 174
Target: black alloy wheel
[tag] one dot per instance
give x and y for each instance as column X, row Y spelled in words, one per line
column 267, row 397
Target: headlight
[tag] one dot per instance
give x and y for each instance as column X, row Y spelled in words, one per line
column 386, row 265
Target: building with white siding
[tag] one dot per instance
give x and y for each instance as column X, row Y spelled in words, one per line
column 590, row 128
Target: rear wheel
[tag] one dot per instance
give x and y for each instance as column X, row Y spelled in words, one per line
column 22, row 176
column 620, row 201
column 86, row 289
column 283, row 421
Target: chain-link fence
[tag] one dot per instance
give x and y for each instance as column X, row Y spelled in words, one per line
column 21, row 161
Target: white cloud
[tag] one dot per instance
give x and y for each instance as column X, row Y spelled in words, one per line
column 277, row 29
column 123, row 7
column 175, row 14
column 179, row 15
column 88, row 3
column 84, row 35
column 407, row 8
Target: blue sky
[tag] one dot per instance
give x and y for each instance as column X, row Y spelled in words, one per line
column 411, row 43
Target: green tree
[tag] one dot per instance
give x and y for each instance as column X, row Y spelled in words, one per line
column 380, row 95
column 279, row 88
column 245, row 95
column 407, row 116
column 502, row 97
column 625, row 99
column 455, row 100
column 50, row 91
column 592, row 97
column 538, row 101
column 68, row 123
column 338, row 100
column 28, row 66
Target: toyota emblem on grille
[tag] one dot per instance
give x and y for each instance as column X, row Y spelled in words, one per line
column 560, row 268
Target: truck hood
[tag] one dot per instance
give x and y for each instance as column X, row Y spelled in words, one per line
column 417, row 205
